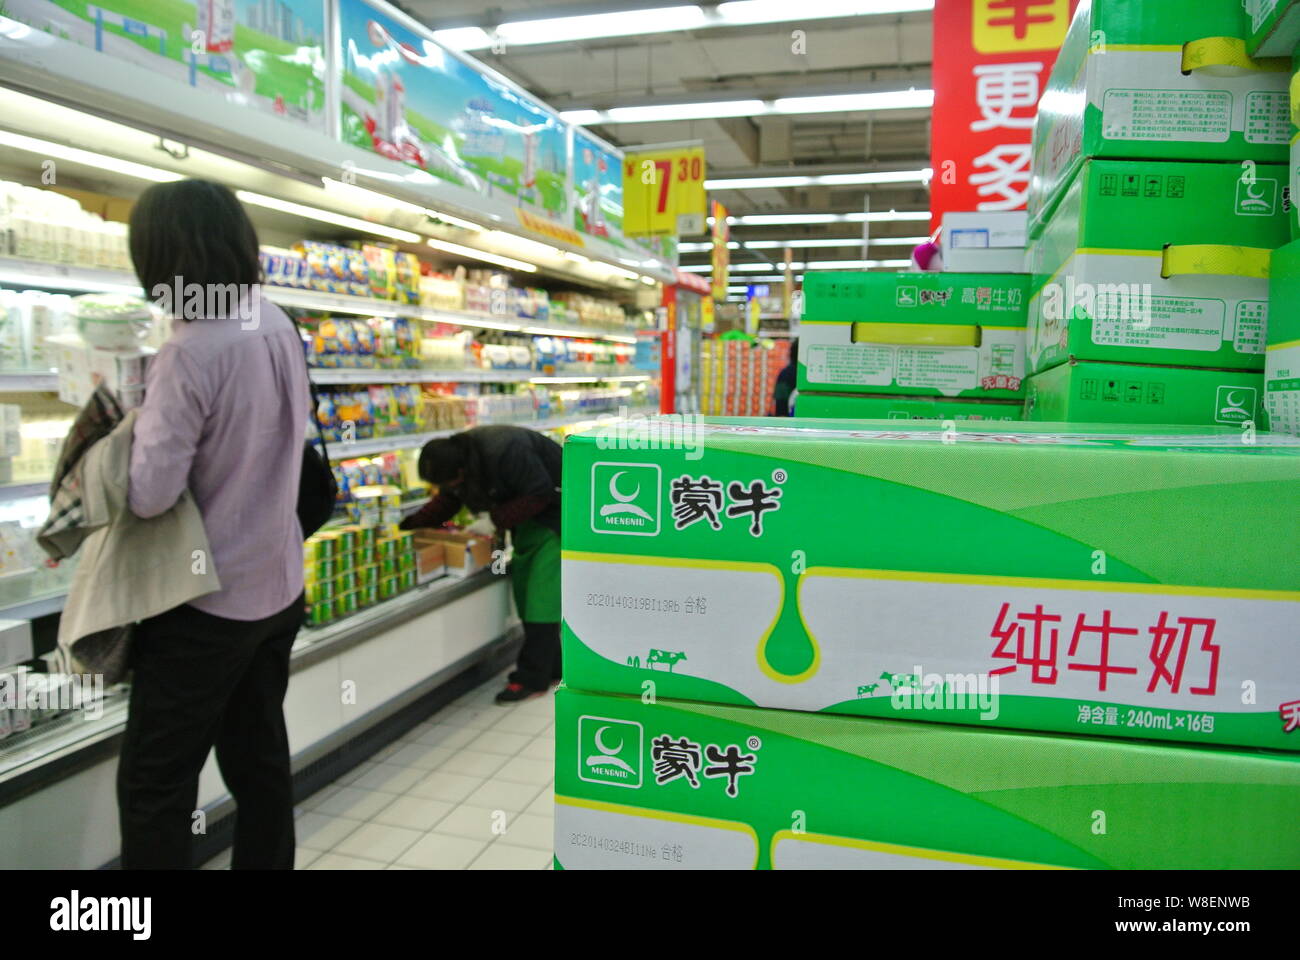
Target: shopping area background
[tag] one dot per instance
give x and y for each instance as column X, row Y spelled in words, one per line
column 1020, row 567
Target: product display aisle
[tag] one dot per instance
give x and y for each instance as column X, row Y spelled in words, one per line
column 469, row 788
column 866, row 438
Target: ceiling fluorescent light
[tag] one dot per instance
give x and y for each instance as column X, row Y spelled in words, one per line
column 327, row 216
column 462, row 251
column 581, row 118
column 786, row 219
column 686, row 111
column 780, row 11
column 852, row 102
column 821, row 180
column 664, row 19
column 59, row 151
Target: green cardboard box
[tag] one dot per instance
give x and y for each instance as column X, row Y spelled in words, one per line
column 923, row 334
column 689, row 786
column 1157, row 263
column 1282, row 359
column 1083, row 392
column 1028, row 575
column 1118, row 89
column 1274, row 27
column 855, row 406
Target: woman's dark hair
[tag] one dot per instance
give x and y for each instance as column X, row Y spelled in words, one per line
column 441, row 462
column 192, row 232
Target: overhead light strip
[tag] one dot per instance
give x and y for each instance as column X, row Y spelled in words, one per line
column 327, row 216
column 59, row 151
column 822, row 180
column 705, row 110
column 632, row 23
column 463, row 251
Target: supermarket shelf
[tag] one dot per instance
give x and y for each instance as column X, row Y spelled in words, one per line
column 408, row 441
column 58, row 748
column 28, row 382
column 372, row 445
column 361, row 375
column 55, row 276
column 34, row 607
column 19, row 491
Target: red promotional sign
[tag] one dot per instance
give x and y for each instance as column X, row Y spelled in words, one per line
column 991, row 63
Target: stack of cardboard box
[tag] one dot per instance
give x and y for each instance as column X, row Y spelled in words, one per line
column 1157, row 196
column 1276, row 33
column 946, row 346
column 738, row 377
column 839, row 645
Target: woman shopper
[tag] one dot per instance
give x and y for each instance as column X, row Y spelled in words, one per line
column 512, row 473
column 224, row 416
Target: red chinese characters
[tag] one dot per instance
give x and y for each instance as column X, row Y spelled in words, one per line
column 1182, row 654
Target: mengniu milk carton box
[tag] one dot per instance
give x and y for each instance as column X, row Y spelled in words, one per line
column 1282, row 359
column 1157, row 263
column 1083, row 392
column 856, row 406
column 1159, row 80
column 926, row 334
column 1274, row 27
column 679, row 785
column 1136, row 582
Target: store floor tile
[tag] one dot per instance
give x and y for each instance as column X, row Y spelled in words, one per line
column 472, row 788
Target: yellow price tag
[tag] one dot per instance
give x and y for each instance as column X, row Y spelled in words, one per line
column 663, row 192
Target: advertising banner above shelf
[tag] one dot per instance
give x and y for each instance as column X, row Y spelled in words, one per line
column 405, row 97
column 267, row 54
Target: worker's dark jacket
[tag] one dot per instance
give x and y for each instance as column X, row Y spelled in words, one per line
column 513, row 474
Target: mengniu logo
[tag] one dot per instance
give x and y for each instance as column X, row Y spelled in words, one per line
column 625, row 498
column 1256, row 197
column 1234, row 404
column 609, row 751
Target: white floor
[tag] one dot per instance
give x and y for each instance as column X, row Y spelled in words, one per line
column 471, row 788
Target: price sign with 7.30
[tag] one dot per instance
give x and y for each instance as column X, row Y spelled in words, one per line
column 663, row 193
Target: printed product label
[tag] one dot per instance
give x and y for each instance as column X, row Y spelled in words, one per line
column 1249, row 330
column 1282, row 389
column 1135, row 114
column 1176, row 323
column 865, row 364
column 1260, row 10
column 606, row 836
column 1132, row 660
column 1268, row 116
column 943, row 369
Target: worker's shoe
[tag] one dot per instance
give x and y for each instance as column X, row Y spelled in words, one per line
column 515, row 692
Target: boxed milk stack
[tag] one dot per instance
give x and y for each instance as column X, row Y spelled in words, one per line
column 908, row 345
column 984, row 242
column 777, row 618
column 1149, row 299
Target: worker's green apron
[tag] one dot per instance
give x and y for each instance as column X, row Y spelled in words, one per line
column 535, row 572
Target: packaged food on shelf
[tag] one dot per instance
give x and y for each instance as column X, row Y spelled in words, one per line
column 81, row 367
column 47, row 226
column 441, row 292
column 464, row 553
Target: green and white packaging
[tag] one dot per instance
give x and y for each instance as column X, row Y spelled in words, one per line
column 1083, row 392
column 1093, row 579
column 1274, row 27
column 1118, row 89
column 922, row 334
column 853, row 406
column 1282, row 360
column 676, row 785
column 1157, row 263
